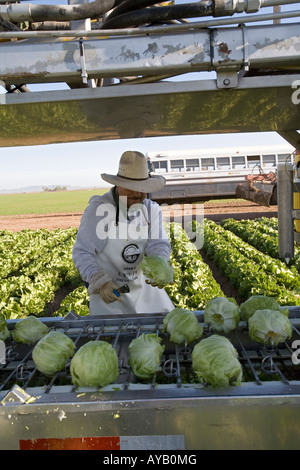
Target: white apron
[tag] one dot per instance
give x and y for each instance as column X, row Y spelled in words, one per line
column 121, row 257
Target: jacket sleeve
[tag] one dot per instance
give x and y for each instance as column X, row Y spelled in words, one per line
column 88, row 244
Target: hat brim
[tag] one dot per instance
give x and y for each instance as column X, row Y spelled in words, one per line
column 149, row 185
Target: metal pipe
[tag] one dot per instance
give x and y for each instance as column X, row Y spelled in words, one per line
column 150, row 30
column 50, row 26
column 29, row 12
column 214, row 8
column 128, row 5
column 162, row 13
column 273, row 3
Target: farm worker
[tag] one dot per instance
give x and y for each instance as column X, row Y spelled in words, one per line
column 116, row 231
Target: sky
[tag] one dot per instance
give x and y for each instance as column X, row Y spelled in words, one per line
column 81, row 164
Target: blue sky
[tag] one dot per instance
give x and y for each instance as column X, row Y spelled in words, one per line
column 80, row 164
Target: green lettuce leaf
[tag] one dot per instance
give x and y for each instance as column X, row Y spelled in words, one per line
column 215, row 362
column 4, row 332
column 222, row 314
column 95, row 364
column 29, row 330
column 182, row 325
column 145, row 353
column 269, row 326
column 52, row 352
column 157, row 270
column 257, row 302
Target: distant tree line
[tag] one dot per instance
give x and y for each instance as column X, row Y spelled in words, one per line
column 55, row 188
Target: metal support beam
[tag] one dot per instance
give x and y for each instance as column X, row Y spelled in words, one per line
column 225, row 50
column 293, row 137
column 258, row 104
column 285, row 211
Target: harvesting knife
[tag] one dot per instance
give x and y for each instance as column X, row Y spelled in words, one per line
column 121, row 290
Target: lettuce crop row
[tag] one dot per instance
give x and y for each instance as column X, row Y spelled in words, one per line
column 289, row 277
column 18, row 250
column 250, row 271
column 77, row 300
column 30, row 288
column 260, row 235
column 255, row 233
column 194, row 283
column 36, row 263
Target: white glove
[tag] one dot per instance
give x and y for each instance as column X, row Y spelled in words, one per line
column 101, row 283
column 107, row 292
column 97, row 281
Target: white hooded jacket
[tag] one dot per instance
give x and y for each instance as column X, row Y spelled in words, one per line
column 98, row 216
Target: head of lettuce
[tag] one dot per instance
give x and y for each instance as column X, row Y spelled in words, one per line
column 270, row 327
column 52, row 353
column 29, row 330
column 145, row 353
column 95, row 364
column 222, row 314
column 257, row 302
column 215, row 362
column 182, row 325
column 157, row 270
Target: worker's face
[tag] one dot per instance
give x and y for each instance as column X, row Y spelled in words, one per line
column 133, row 197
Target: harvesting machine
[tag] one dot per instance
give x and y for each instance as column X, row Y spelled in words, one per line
column 118, row 65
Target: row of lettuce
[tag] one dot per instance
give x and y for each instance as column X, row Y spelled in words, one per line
column 36, row 264
column 246, row 252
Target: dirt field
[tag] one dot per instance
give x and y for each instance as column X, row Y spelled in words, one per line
column 216, row 212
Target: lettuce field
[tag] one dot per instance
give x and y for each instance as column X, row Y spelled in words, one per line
column 36, row 267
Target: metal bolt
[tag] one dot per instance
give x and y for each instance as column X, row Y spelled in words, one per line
column 226, row 81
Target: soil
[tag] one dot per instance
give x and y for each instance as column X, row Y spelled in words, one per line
column 15, row 223
column 214, row 211
column 53, row 306
column 228, row 289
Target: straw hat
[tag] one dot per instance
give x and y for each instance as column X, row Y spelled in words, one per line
column 133, row 174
